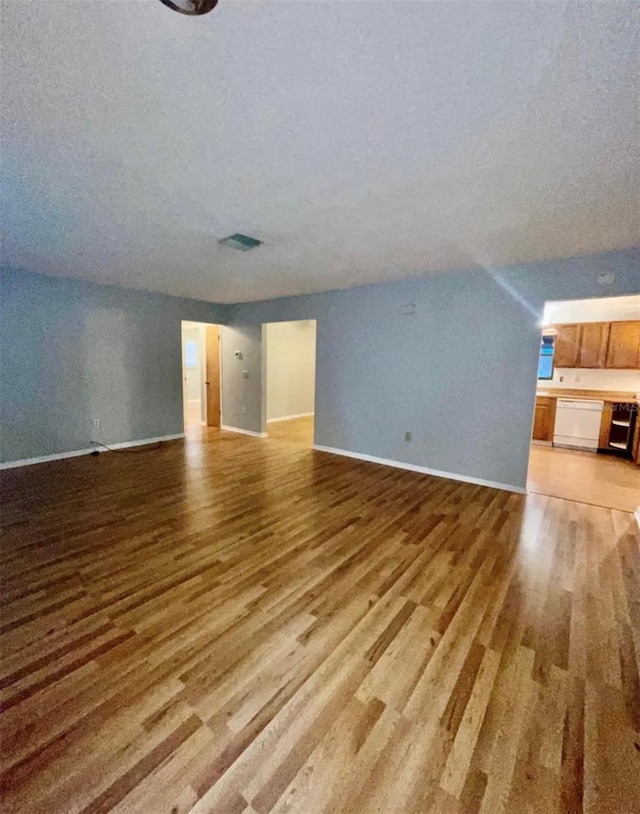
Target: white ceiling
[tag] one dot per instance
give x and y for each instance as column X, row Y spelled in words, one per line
column 361, row 141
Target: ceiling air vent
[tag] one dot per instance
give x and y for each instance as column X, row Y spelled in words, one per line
column 242, row 242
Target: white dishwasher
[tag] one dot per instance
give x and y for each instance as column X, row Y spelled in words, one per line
column 577, row 423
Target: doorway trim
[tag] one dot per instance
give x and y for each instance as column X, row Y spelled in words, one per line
column 266, row 421
column 204, row 370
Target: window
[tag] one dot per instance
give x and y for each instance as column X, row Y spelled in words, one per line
column 191, row 353
column 545, row 362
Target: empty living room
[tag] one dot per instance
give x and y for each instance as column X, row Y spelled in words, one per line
column 319, row 393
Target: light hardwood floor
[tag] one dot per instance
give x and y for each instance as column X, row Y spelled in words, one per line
column 192, row 415
column 297, row 431
column 242, row 626
column 601, row 480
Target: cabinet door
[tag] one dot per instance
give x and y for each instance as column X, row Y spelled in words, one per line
column 544, row 419
column 594, row 338
column 540, row 423
column 624, row 345
column 566, row 346
column 605, row 426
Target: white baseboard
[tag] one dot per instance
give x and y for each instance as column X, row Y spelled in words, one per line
column 76, row 453
column 424, row 470
column 289, row 417
column 637, row 516
column 59, row 456
column 244, row 432
column 156, row 440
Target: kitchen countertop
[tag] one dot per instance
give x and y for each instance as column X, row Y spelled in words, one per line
column 601, row 395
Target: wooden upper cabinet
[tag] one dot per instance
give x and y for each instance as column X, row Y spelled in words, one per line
column 598, row 345
column 566, row 346
column 624, row 345
column 594, row 338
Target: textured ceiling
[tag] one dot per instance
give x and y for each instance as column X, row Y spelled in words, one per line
column 361, row 141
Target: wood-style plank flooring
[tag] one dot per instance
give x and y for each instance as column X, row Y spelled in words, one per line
column 243, row 626
column 192, row 415
column 297, row 431
column 588, row 477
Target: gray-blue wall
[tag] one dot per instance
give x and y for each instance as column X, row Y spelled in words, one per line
column 72, row 351
column 459, row 374
column 243, row 391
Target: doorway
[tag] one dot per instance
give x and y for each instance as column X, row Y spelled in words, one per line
column 586, row 433
column 201, row 389
column 290, row 380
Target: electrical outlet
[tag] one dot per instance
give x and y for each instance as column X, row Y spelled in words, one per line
column 407, row 436
column 96, row 423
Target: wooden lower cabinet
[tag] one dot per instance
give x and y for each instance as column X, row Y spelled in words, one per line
column 544, row 418
column 605, row 427
column 619, row 429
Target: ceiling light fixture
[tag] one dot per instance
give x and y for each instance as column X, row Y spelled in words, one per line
column 191, row 7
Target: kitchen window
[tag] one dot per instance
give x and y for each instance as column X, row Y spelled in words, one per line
column 545, row 361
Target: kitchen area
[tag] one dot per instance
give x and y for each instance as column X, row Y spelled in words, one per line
column 586, row 431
